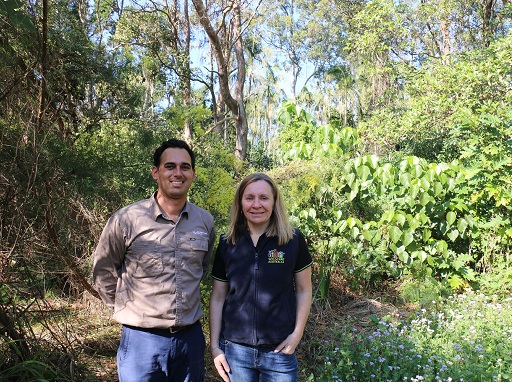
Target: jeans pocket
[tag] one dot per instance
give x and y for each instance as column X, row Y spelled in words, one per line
column 285, row 363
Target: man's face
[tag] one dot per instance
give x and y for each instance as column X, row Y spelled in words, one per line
column 175, row 173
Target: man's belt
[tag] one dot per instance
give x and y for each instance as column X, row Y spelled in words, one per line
column 172, row 329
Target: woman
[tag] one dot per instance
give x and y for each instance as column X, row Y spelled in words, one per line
column 261, row 289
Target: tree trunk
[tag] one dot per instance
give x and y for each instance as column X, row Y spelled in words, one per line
column 488, row 29
column 186, row 91
column 446, row 40
column 241, row 123
column 235, row 102
column 44, row 60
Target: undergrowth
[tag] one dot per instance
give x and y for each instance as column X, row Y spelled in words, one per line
column 463, row 337
column 466, row 337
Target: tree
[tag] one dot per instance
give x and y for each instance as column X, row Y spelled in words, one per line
column 223, row 41
column 286, row 34
column 177, row 36
column 306, row 37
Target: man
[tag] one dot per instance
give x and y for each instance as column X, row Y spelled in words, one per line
column 148, row 265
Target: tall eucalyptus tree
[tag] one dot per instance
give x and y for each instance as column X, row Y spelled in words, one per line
column 224, row 25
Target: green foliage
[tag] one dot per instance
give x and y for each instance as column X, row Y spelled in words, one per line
column 259, row 159
column 416, row 217
column 424, row 291
column 214, row 190
column 412, row 216
column 13, row 11
column 498, row 280
column 298, row 124
column 115, row 160
column 442, row 99
column 433, row 203
column 316, row 207
column 301, row 138
column 425, row 219
column 310, row 182
column 380, row 26
column 459, row 338
column 33, row 370
column 215, row 185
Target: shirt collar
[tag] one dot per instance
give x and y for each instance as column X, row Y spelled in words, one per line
column 155, row 208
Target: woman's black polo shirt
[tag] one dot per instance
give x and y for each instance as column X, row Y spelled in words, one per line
column 260, row 307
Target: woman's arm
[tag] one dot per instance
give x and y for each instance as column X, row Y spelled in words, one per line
column 304, row 296
column 217, row 298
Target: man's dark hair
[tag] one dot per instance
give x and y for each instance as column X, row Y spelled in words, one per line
column 174, row 143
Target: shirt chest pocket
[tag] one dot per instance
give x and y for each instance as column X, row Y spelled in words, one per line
column 198, row 244
column 193, row 251
column 146, row 259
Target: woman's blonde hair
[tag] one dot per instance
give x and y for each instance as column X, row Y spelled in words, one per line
column 279, row 225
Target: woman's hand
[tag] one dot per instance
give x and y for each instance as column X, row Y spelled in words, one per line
column 303, row 297
column 221, row 364
column 289, row 344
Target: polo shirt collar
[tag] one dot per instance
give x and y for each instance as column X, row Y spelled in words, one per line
column 262, row 240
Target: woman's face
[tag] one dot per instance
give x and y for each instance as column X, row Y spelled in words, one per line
column 258, row 204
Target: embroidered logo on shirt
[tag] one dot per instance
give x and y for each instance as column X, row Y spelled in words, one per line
column 200, row 233
column 275, row 257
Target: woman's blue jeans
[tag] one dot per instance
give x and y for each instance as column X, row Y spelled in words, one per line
column 156, row 355
column 259, row 364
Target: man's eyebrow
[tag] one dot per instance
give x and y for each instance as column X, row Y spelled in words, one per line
column 180, row 164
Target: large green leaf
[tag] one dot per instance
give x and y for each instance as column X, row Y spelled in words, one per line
column 387, row 216
column 415, row 188
column 450, row 217
column 413, row 222
column 402, row 254
column 363, row 172
column 442, row 247
column 453, row 234
column 420, row 255
column 462, row 224
column 427, row 234
column 405, row 179
column 354, row 190
column 425, row 184
column 400, row 217
column 425, row 198
column 395, row 234
column 407, row 237
column 438, row 188
column 369, row 234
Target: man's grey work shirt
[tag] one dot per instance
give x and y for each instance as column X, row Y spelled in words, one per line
column 148, row 269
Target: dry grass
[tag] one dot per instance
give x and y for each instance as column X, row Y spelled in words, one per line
column 96, row 340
